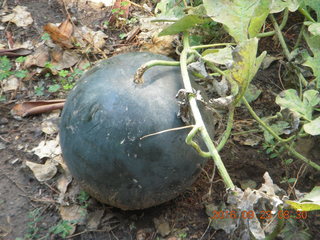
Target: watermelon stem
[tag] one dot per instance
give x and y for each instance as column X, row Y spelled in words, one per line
column 138, row 79
column 199, row 124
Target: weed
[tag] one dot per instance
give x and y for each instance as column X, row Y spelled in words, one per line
column 33, row 228
column 53, row 88
column 183, row 235
column 5, row 67
column 83, row 198
column 122, row 35
column 45, row 37
column 21, row 59
column 62, row 229
column 39, row 91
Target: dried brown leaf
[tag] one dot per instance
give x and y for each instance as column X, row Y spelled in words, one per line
column 15, row 52
column 36, row 107
column 62, row 34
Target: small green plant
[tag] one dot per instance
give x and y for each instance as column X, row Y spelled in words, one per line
column 33, row 228
column 39, row 91
column 45, row 37
column 182, row 235
column 83, row 198
column 106, row 23
column 21, row 59
column 122, row 35
column 5, row 67
column 62, row 229
column 53, row 88
column 118, row 12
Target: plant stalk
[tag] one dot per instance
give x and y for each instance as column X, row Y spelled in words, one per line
column 282, row 25
column 280, row 36
column 283, row 141
column 197, row 115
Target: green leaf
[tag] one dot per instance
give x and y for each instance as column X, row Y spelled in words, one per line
column 258, row 18
column 252, row 93
column 21, row 59
column 313, row 62
column 63, row 73
column 54, row 88
column 315, row 5
column 184, row 24
column 241, row 18
column 291, row 180
column 21, row 73
column 310, row 202
column 221, row 56
column 290, row 99
column 170, row 9
column 245, row 64
column 313, row 127
column 279, row 127
column 280, row 5
column 5, row 67
column 314, row 28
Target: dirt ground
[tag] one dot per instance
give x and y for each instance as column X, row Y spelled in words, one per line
column 21, row 194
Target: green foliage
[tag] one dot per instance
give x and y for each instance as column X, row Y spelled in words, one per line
column 21, row 73
column 242, row 19
column 170, row 9
column 83, row 198
column 278, row 127
column 280, row 5
column 21, row 59
column 289, row 99
column 313, row 61
column 294, row 231
column 53, row 88
column 33, row 228
column 310, row 202
column 5, row 67
column 62, row 229
column 245, row 63
column 39, row 91
column 185, row 23
column 45, row 37
column 122, row 35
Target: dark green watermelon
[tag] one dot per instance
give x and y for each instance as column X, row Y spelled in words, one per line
column 102, row 122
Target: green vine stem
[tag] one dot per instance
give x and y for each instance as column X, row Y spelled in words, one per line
column 296, row 45
column 283, row 141
column 227, row 132
column 189, row 141
column 285, row 47
column 212, row 45
column 282, row 25
column 280, row 36
column 141, row 70
column 306, row 14
column 199, row 124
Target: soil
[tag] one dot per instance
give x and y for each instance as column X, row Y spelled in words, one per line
column 21, row 194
